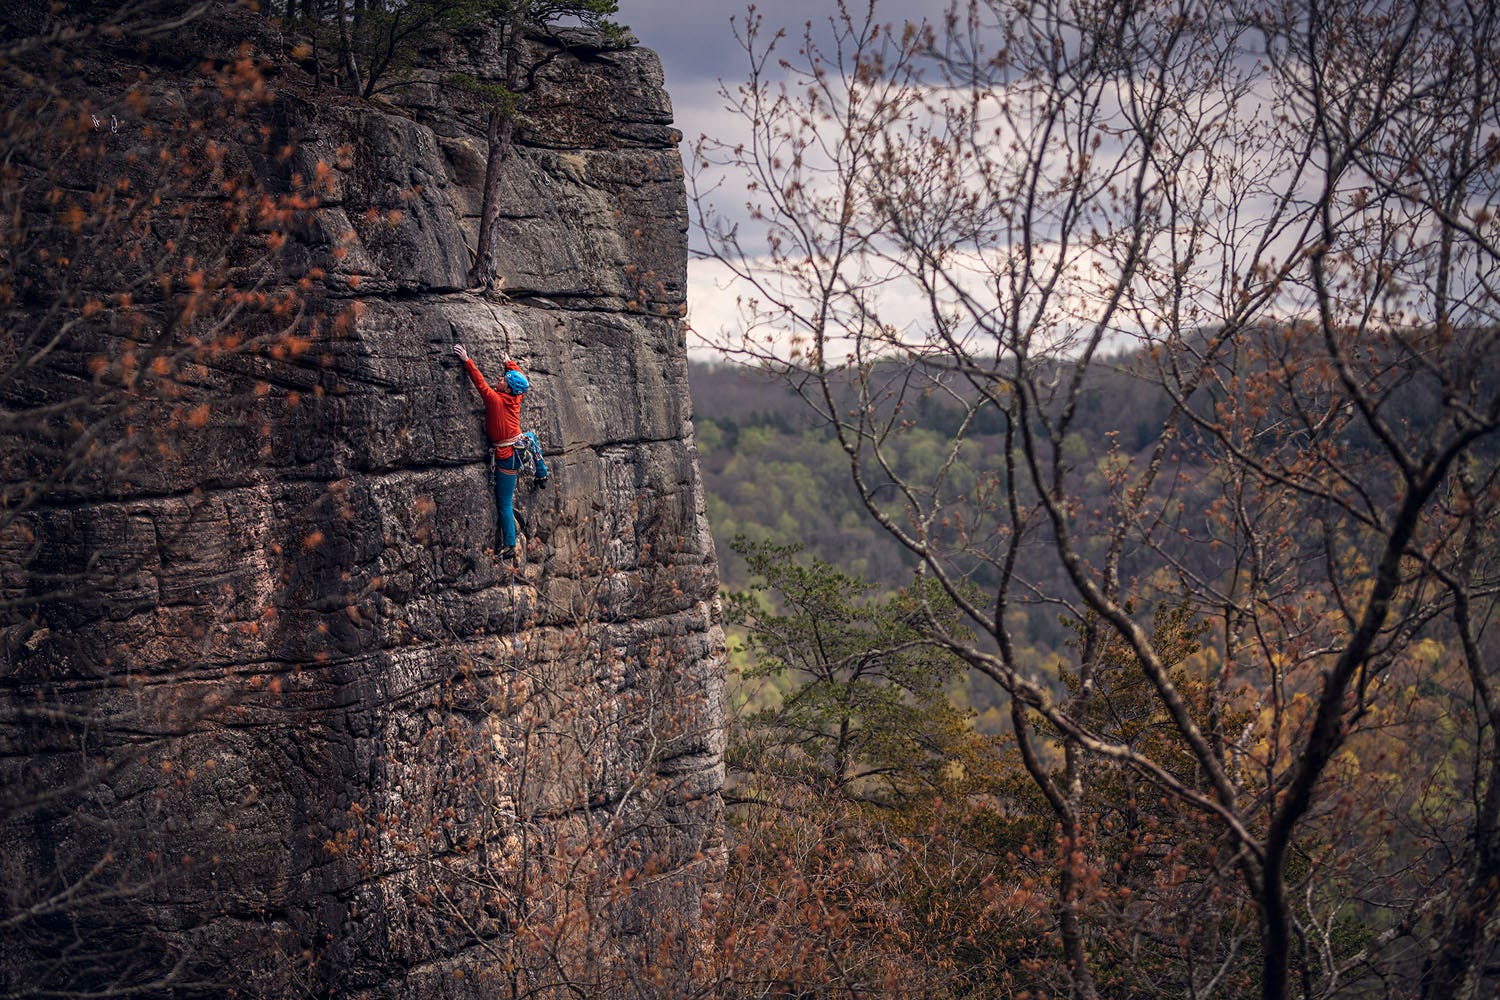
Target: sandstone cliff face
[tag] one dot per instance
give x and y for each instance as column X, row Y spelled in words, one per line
column 316, row 736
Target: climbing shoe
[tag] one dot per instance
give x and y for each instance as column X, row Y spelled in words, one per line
column 541, row 482
column 508, row 553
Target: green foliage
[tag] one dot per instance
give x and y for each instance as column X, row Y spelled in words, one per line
column 522, row 16
column 865, row 714
column 1123, row 705
column 494, row 94
column 862, row 833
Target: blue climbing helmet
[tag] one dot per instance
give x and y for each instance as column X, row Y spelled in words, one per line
column 516, row 382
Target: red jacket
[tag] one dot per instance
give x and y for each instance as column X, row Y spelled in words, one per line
column 502, row 411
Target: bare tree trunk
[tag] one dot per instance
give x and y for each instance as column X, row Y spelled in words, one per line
column 1065, row 808
column 498, row 138
column 1074, row 950
column 1454, row 972
column 498, row 134
column 346, row 49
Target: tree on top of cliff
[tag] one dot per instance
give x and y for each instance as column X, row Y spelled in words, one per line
column 517, row 19
column 1289, row 209
column 375, row 43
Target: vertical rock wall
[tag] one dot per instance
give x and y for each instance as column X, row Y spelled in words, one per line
column 343, row 750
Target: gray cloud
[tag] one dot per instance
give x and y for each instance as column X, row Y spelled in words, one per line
column 694, row 37
column 696, row 42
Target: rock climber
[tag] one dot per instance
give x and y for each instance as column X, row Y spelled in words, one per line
column 502, row 422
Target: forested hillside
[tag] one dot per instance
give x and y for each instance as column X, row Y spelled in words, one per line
column 913, row 790
column 776, row 473
column 773, row 476
column 773, row 473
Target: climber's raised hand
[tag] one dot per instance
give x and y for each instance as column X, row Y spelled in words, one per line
column 462, row 353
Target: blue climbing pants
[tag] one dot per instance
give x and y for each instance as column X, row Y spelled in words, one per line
column 506, row 471
column 505, row 495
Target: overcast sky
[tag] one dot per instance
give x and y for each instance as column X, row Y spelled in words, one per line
column 697, row 47
column 696, row 42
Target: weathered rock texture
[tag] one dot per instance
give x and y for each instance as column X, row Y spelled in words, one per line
column 314, row 738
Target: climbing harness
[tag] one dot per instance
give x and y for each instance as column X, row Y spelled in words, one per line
column 531, row 453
